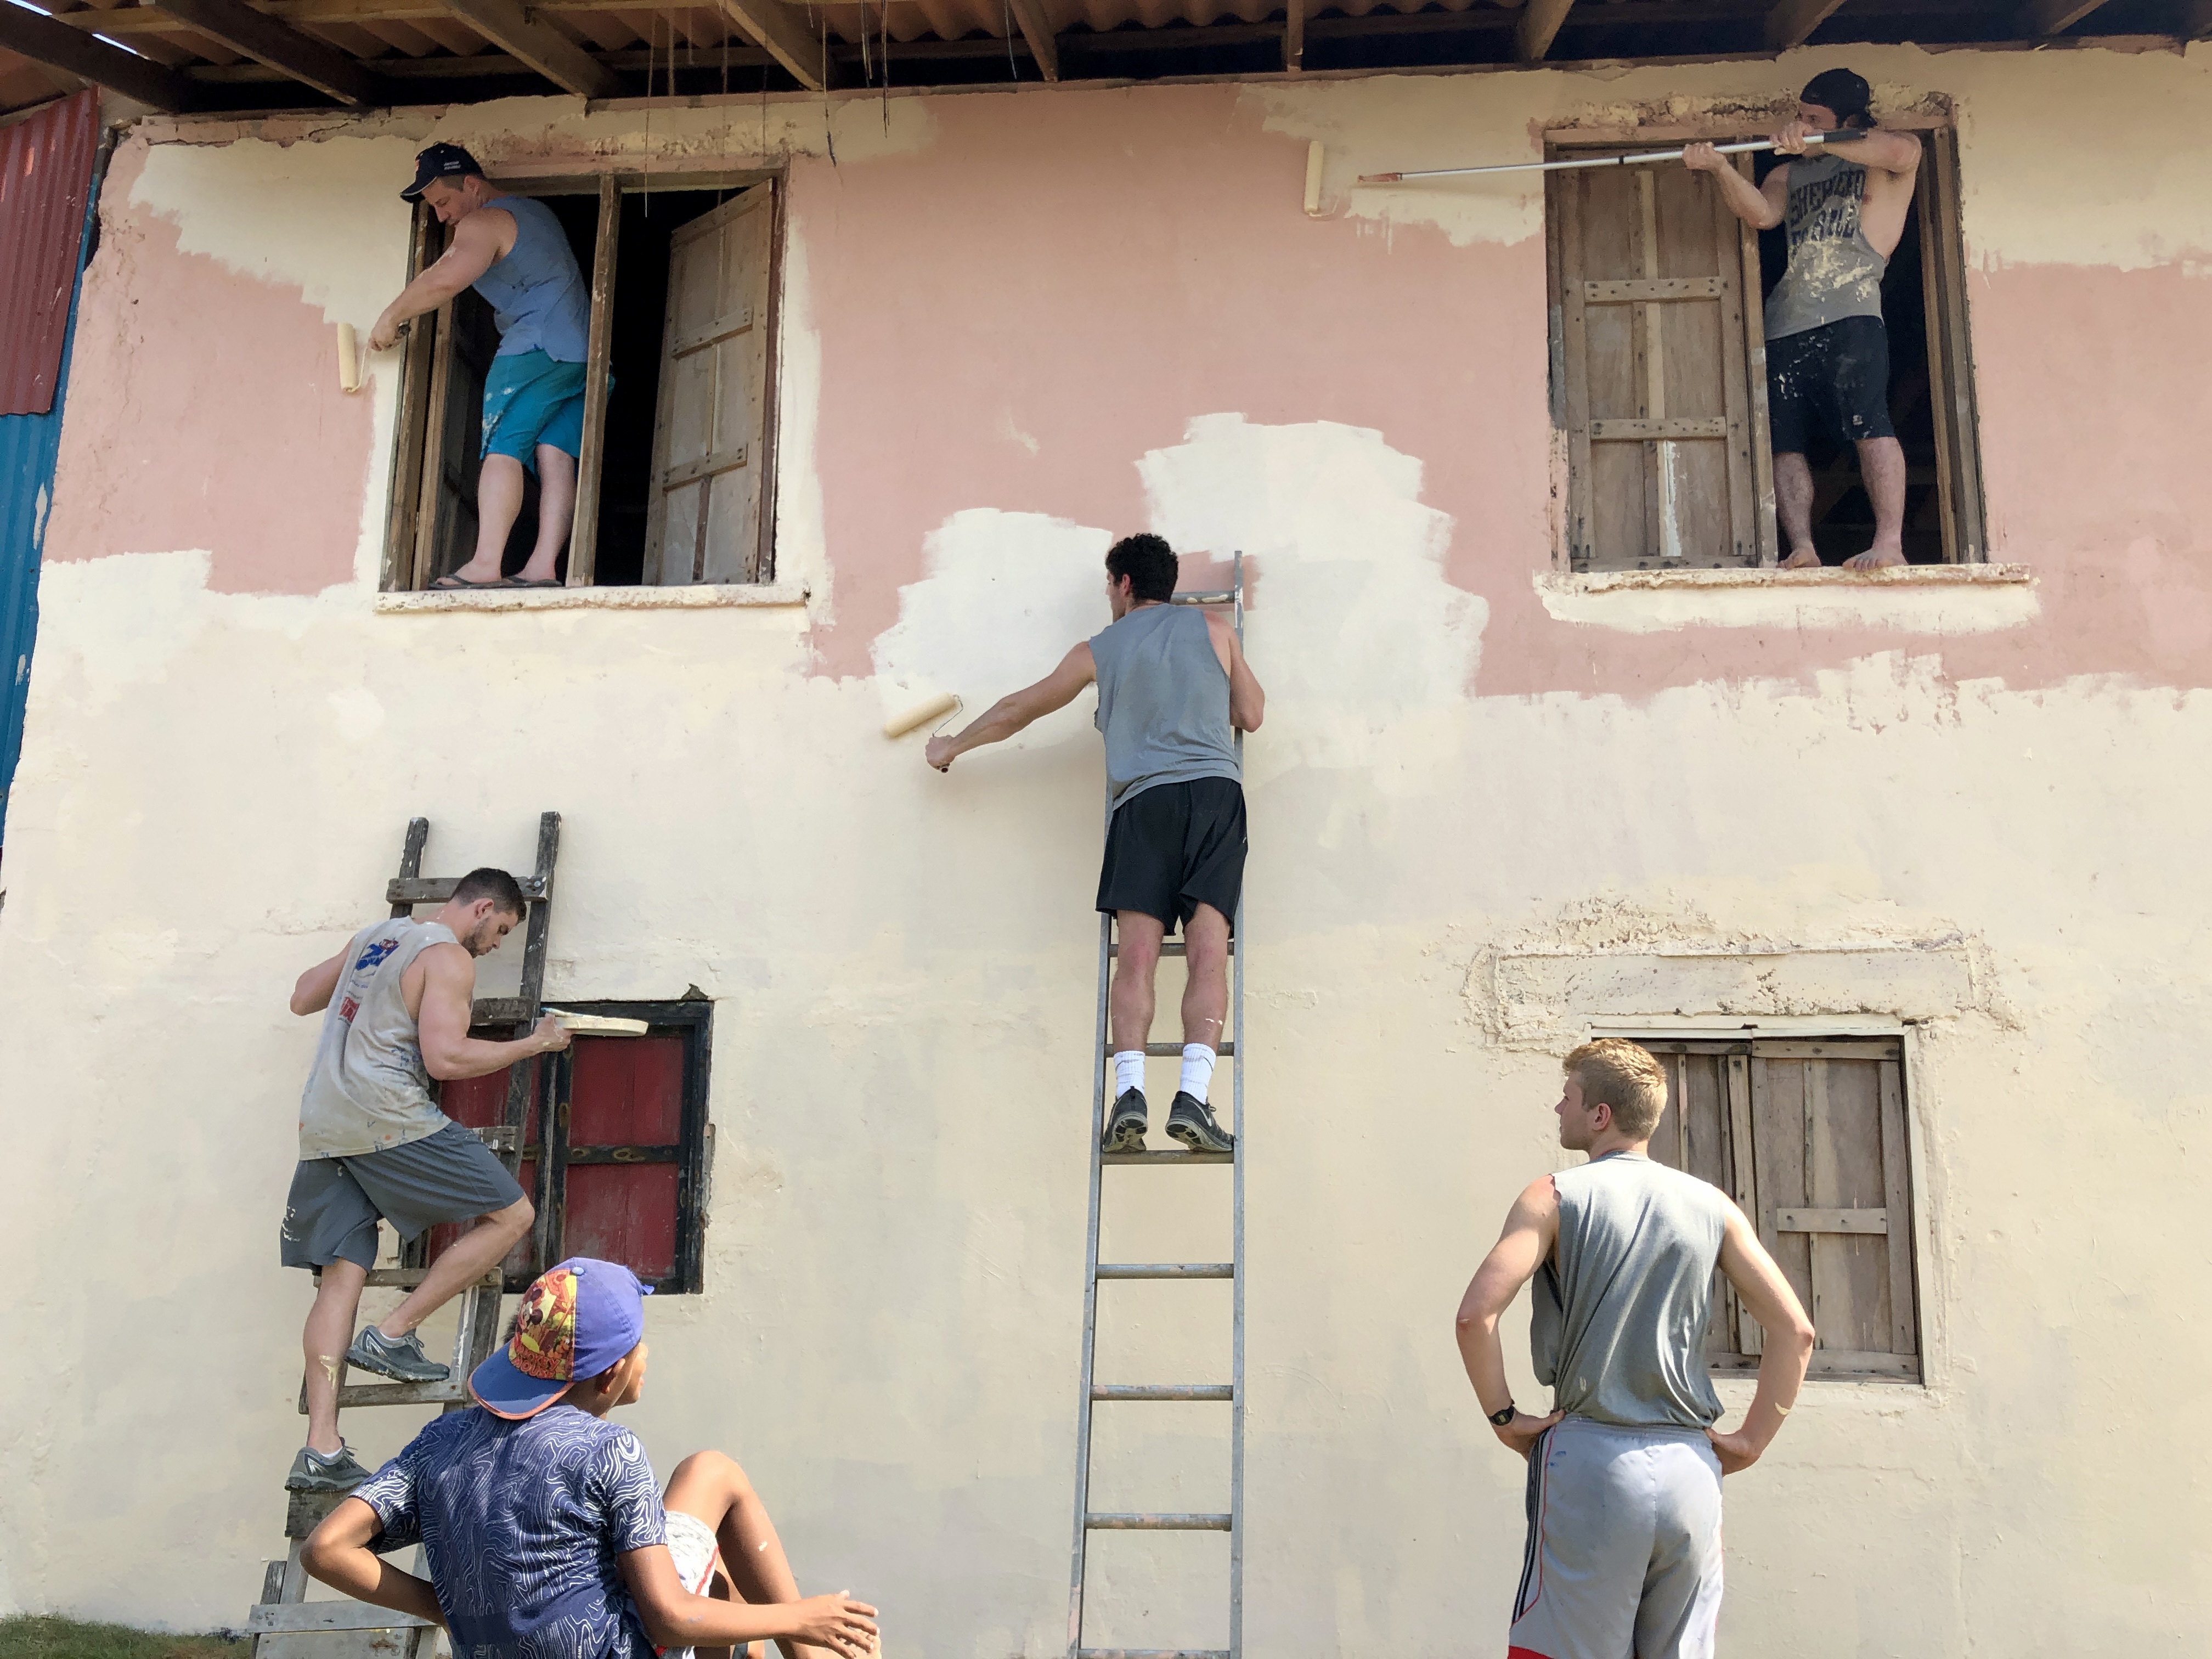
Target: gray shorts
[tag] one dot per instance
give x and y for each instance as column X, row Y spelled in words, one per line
column 1623, row 1545
column 331, row 1212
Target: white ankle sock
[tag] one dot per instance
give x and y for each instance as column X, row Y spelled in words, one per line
column 1197, row 1071
column 1128, row 1070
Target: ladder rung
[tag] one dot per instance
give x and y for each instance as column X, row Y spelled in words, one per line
column 352, row 1395
column 1151, row 1653
column 1167, row 1157
column 1207, row 596
column 1167, row 1270
column 1222, row 1391
column 406, row 1278
column 270, row 1618
column 1173, row 947
column 1174, row 1050
column 1156, row 1522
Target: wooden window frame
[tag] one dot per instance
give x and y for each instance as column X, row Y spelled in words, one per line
column 427, row 355
column 1739, row 1123
column 1938, row 203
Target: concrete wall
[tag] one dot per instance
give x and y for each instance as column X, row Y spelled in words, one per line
column 1017, row 325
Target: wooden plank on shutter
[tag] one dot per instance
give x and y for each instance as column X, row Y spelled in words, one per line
column 1680, row 427
column 1850, row 1269
column 704, row 515
column 1743, row 1162
column 1735, row 390
column 1751, row 287
column 1950, row 359
column 446, row 528
column 410, row 422
column 1832, row 1221
column 1829, row 1049
column 1649, row 290
column 1567, row 194
column 1778, row 1108
column 598, row 354
column 1897, row 1186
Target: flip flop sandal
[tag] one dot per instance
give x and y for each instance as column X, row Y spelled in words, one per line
column 451, row 584
column 549, row 581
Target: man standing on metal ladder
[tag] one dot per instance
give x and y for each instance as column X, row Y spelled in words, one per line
column 1173, row 689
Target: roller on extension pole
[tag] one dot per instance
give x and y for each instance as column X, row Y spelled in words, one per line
column 1598, row 160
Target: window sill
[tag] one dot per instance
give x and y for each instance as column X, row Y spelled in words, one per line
column 1932, row 599
column 704, row 596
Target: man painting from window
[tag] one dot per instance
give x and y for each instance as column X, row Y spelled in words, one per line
column 1827, row 353
column 512, row 251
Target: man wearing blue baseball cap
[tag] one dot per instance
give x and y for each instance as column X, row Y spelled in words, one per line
column 512, row 250
column 545, row 1534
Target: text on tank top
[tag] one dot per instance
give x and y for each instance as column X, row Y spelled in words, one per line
column 368, row 1091
column 536, row 289
column 1163, row 701
column 1618, row 1324
column 1834, row 272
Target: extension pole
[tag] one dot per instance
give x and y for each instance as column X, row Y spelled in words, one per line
column 1597, row 161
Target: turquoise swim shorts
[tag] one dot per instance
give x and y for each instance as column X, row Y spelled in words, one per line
column 530, row 399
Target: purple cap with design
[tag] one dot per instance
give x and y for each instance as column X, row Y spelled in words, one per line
column 576, row 1320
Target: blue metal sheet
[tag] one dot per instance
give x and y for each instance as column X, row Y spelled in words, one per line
column 29, row 447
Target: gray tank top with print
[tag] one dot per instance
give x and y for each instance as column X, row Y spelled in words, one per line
column 368, row 1091
column 1163, row 701
column 537, row 289
column 1618, row 1328
column 1834, row 272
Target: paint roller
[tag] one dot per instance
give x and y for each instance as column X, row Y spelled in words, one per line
column 942, row 704
column 1581, row 162
column 349, row 358
column 577, row 1024
column 1313, row 179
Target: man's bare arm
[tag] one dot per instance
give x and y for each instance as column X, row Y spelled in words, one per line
column 1532, row 1227
column 1012, row 713
column 1760, row 206
column 1768, row 1298
column 1248, row 703
column 474, row 250
column 1882, row 152
column 339, row 1553
column 315, row 987
column 443, row 1016
column 674, row 1618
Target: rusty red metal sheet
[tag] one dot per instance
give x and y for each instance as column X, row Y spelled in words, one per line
column 45, row 171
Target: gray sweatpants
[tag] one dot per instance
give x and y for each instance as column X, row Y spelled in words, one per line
column 1623, row 1545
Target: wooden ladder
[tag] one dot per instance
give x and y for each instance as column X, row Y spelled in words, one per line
column 284, row 1608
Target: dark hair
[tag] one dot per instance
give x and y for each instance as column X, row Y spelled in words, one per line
column 1844, row 92
column 1149, row 563
column 497, row 885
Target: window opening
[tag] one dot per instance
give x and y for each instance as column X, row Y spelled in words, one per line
column 1808, row 1136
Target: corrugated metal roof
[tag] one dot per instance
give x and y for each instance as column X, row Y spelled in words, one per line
column 45, row 171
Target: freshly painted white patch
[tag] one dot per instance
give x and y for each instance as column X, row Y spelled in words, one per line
column 1919, row 599
column 357, row 712
column 107, row 625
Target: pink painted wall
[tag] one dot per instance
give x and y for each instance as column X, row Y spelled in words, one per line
column 204, row 412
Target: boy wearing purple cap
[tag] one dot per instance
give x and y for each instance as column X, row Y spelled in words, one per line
column 545, row 1537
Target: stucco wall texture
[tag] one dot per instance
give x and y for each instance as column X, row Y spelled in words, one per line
column 1487, row 818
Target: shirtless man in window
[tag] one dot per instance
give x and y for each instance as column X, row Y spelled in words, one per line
column 1827, row 354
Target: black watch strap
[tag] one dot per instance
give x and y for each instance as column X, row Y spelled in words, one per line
column 1498, row 1419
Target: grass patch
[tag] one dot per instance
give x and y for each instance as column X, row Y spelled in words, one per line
column 39, row 1636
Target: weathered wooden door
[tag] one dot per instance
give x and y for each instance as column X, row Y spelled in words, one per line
column 703, row 520
column 1661, row 374
column 445, row 522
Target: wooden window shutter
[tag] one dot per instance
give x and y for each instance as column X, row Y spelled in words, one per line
column 1834, row 1196
column 1662, row 374
column 704, row 519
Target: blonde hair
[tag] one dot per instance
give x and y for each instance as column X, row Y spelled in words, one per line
column 1626, row 1076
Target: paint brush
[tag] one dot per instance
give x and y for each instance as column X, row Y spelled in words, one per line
column 1595, row 162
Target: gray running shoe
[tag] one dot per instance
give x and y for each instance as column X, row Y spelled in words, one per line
column 1125, row 1124
column 373, row 1351
column 312, row 1471
column 1190, row 1121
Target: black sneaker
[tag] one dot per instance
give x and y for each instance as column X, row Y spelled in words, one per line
column 312, row 1471
column 1190, row 1121
column 1125, row 1124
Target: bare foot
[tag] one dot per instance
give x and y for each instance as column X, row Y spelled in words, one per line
column 1803, row 558
column 1876, row 557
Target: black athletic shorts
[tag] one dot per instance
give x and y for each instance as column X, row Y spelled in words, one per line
column 331, row 1211
column 1173, row 847
column 1835, row 378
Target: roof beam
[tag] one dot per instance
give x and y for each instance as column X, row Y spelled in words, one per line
column 1294, row 36
column 1036, row 29
column 1791, row 22
column 808, row 58
column 1538, row 28
column 546, row 49
column 45, row 40
column 269, row 40
column 2054, row 16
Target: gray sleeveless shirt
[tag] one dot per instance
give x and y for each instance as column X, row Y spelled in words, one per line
column 537, row 291
column 368, row 1091
column 1163, row 701
column 1618, row 1330
column 1834, row 272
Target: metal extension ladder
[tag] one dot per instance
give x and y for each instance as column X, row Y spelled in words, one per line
column 1088, row 1521
column 283, row 1609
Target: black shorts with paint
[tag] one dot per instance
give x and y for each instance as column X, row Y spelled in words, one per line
column 1834, row 378
column 1173, row 847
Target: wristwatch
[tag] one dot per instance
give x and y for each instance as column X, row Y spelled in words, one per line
column 1499, row 1419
